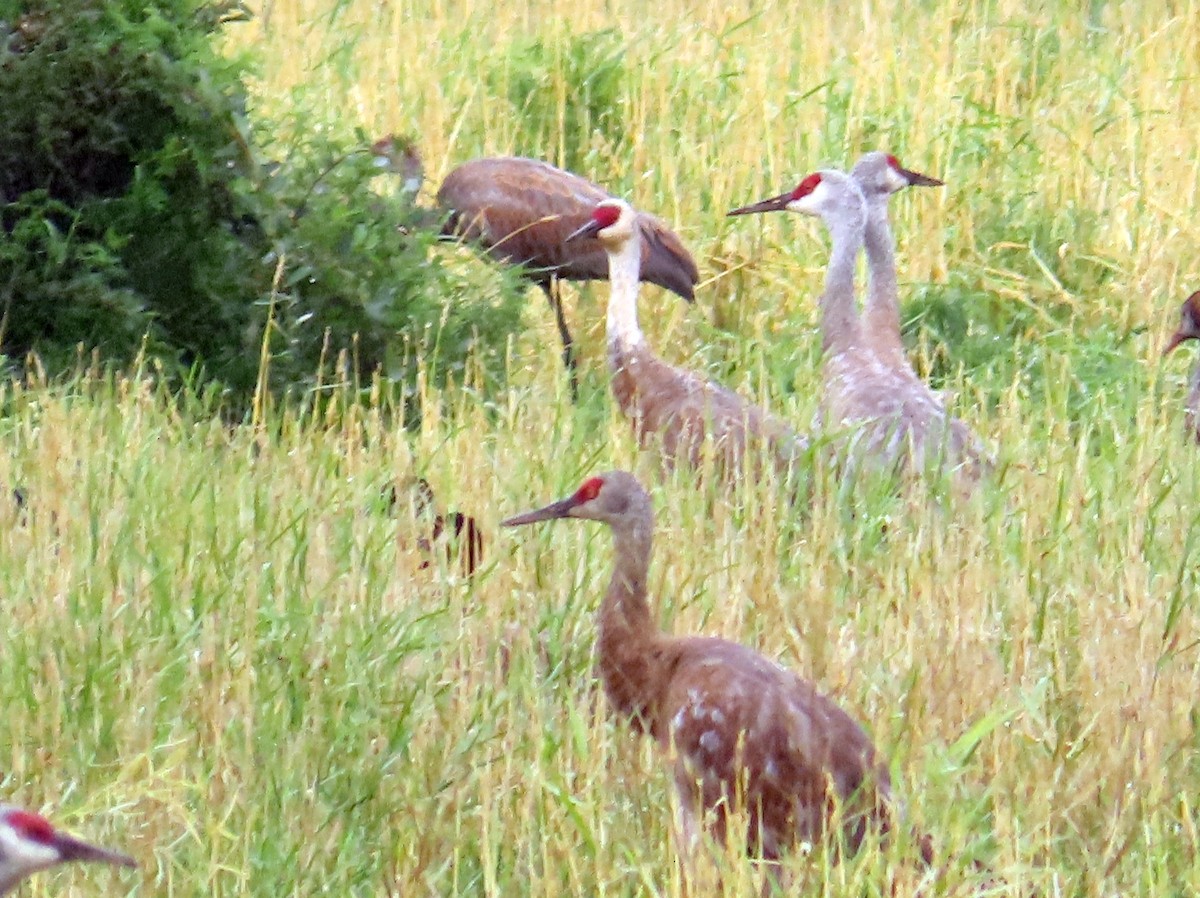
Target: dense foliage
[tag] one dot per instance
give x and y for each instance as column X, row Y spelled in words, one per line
column 141, row 216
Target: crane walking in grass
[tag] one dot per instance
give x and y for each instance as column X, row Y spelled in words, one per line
column 29, row 844
column 746, row 739
column 1189, row 329
column 673, row 409
column 521, row 211
column 890, row 418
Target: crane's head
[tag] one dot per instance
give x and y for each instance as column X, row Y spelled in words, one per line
column 827, row 194
column 29, row 843
column 612, row 221
column 880, row 174
column 1189, row 322
column 399, row 155
column 611, row 498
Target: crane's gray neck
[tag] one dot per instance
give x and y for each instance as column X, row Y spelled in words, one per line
column 628, row 663
column 625, row 613
column 14, row 869
column 882, row 310
column 840, row 327
column 624, row 271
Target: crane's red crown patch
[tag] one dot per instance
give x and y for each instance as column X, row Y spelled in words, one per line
column 606, row 216
column 31, row 826
column 807, row 186
column 590, row 490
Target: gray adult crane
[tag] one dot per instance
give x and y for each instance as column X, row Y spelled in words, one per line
column 672, row 409
column 29, row 843
column 521, row 210
column 894, row 420
column 747, row 739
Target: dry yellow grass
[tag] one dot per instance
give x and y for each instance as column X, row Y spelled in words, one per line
column 213, row 631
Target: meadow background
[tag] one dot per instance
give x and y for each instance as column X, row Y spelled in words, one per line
column 222, row 656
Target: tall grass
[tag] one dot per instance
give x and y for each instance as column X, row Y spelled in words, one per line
column 220, row 654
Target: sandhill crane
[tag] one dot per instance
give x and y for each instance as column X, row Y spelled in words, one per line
column 400, row 156
column 29, row 843
column 521, row 211
column 1189, row 329
column 457, row 534
column 743, row 735
column 894, row 419
column 671, row 407
column 879, row 175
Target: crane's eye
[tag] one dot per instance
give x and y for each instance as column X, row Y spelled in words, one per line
column 590, row 490
column 807, row 186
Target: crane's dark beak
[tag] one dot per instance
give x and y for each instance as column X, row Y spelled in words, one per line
column 559, row 509
column 590, row 229
column 916, row 179
column 1176, row 338
column 774, row 204
column 72, row 849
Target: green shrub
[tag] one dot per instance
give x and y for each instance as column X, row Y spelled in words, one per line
column 141, row 216
column 360, row 277
column 117, row 167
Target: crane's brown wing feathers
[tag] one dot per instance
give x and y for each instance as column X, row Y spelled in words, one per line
column 665, row 260
column 894, row 419
column 744, row 729
column 681, row 410
column 523, row 209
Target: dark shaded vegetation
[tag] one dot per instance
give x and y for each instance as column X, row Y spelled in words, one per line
column 143, row 218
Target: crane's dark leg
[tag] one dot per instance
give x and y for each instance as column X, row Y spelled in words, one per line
column 551, row 287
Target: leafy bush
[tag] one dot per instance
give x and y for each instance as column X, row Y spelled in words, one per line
column 140, row 216
column 359, row 277
column 117, row 164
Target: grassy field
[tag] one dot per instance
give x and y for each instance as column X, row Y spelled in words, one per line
column 221, row 656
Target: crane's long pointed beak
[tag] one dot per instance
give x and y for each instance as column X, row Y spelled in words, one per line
column 559, row 509
column 73, row 849
column 1176, row 338
column 916, row 179
column 590, row 229
column 774, row 204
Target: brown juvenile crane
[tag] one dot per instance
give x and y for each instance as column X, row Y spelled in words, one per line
column 671, row 407
column 1189, row 329
column 29, row 843
column 455, row 533
column 521, row 211
column 746, row 739
column 892, row 419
